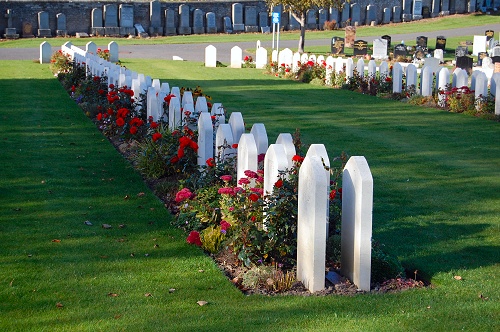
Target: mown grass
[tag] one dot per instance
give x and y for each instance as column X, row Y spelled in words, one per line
column 436, row 24
column 436, row 207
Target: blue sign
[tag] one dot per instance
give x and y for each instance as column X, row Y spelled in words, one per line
column 276, row 18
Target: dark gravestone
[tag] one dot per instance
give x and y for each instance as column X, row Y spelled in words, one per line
column 360, row 47
column 480, row 57
column 441, row 42
column 400, row 50
column 338, row 45
column 388, row 38
column 422, row 41
column 420, row 52
column 465, row 63
column 461, row 51
column 489, row 34
column 426, row 12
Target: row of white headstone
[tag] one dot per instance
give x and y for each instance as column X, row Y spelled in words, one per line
column 314, row 176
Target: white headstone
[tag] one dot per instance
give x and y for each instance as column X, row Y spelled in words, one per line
column 411, row 76
column 311, row 225
column 45, row 52
column 113, row 51
column 372, row 68
column 274, row 163
column 383, row 69
column 379, row 48
column 479, row 45
column 174, row 113
column 286, row 140
column 236, row 56
column 176, row 92
column 218, row 111
column 360, row 67
column 205, row 139
column 349, row 68
column 210, row 56
column 285, row 56
column 259, row 132
column 426, row 81
column 224, row 142
column 91, row 47
column 460, row 78
column 357, row 205
column 201, row 104
column 481, row 89
column 397, row 78
column 187, row 98
column 443, row 81
column 152, row 104
column 261, row 58
column 247, row 155
column 237, row 125
column 274, row 56
column 295, row 61
column 439, row 54
column 304, row 58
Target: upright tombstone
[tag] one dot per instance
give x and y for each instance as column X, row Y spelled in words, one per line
column 263, row 21
column 334, row 15
column 465, row 63
column 170, row 27
column 357, row 205
column 155, row 27
column 407, row 8
column 387, row 16
column 417, row 10
column 481, row 88
column 210, row 56
column 201, row 105
column 489, row 34
column 411, row 76
column 247, row 155
column 261, row 58
column 43, row 25
column 322, row 18
column 198, row 22
column 285, row 56
column 211, row 24
column 443, row 81
column 479, row 45
column 237, row 17
column 426, row 12
column 355, row 14
column 345, row 16
column 426, row 81
column 259, row 132
column 360, row 67
column 311, row 19
column 380, row 49
column 45, row 52
column 383, row 70
column 61, row 25
column 372, row 68
column 439, row 54
column 460, row 78
column 237, row 125
column 224, row 142
column 275, row 162
column 127, row 20
column 113, row 51
column 152, row 104
column 338, row 44
column 97, row 22
column 174, row 113
column 91, row 47
column 480, row 57
column 389, row 39
column 27, row 31
column 228, row 25
column 396, row 14
column 441, row 43
column 397, row 78
column 435, row 8
column 311, row 225
column 461, row 51
column 10, row 31
column 371, row 15
column 236, row 56
column 251, row 19
column 421, row 41
column 111, row 27
column 286, row 140
column 350, row 36
column 360, row 47
column 184, row 26
column 205, row 138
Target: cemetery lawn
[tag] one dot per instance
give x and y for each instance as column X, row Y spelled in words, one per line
column 435, row 24
column 436, row 207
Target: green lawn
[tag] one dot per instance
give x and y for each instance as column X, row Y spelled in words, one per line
column 436, row 207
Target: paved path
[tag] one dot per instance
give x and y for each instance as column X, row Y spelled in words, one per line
column 195, row 52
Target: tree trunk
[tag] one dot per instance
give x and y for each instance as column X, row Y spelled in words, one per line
column 302, row 38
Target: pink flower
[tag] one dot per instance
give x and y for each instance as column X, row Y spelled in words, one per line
column 243, row 181
column 194, row 238
column 224, row 225
column 261, row 157
column 226, row 191
column 183, row 195
column 226, row 178
column 251, row 174
column 259, row 191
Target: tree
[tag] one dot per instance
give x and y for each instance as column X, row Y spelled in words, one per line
column 299, row 8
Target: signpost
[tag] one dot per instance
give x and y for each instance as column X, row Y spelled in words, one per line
column 276, row 21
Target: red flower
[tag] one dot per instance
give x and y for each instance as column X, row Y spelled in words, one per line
column 243, row 181
column 261, row 157
column 251, row 174
column 224, row 225
column 226, row 191
column 183, row 195
column 174, row 159
column 99, row 117
column 120, row 122
column 209, row 104
column 111, row 86
column 153, row 125
column 279, row 183
column 253, row 218
column 298, row 159
column 133, row 130
column 156, row 136
column 333, row 193
column 226, row 178
column 73, row 88
column 210, row 162
column 253, row 197
column 194, row 238
column 234, row 146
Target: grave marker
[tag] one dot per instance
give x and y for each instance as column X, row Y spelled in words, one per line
column 355, row 14
column 380, row 49
column 261, row 58
column 357, row 205
column 479, row 45
column 360, row 47
column 441, row 43
column 461, row 51
column 275, row 162
column 247, row 155
column 198, row 21
column 111, row 20
column 422, row 41
column 465, row 63
column 286, row 140
column 97, row 22
column 45, row 52
column 210, row 56
column 127, row 20
column 400, row 50
column 43, row 25
column 184, row 26
column 155, row 28
column 170, row 29
column 417, row 10
column 237, row 17
column 205, row 139
column 251, row 19
column 61, row 25
column 237, row 125
column 387, row 16
column 396, row 14
column 224, row 142
column 260, row 134
column 489, row 34
column 113, row 51
column 350, row 36
column 211, row 24
column 389, row 39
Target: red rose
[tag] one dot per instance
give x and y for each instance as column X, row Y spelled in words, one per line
column 279, row 183
column 194, row 238
column 156, row 136
column 254, row 197
column 333, row 193
column 133, row 130
column 120, row 122
column 210, row 162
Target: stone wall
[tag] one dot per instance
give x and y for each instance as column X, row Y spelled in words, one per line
column 78, row 13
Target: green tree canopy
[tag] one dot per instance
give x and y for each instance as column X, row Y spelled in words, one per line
column 299, row 8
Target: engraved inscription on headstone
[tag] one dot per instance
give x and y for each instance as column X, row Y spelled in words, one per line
column 338, row 45
column 441, row 42
column 360, row 47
